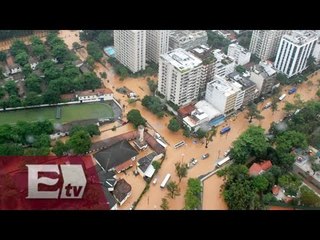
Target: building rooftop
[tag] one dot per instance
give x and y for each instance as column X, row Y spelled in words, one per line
column 115, row 155
column 121, row 190
column 204, row 53
column 221, row 57
column 225, row 87
column 99, row 91
column 208, row 109
column 187, row 35
column 243, row 81
column 181, row 59
column 301, row 37
column 239, row 47
column 146, row 161
column 258, row 168
column 186, row 110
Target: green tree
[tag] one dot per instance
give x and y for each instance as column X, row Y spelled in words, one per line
column 90, row 81
column 240, row 69
column 104, row 39
column 186, row 132
column 192, row 197
column 60, row 149
column 315, row 167
column 251, row 143
column 318, row 93
column 253, row 112
column 80, row 142
column 181, row 170
column 152, row 85
column 26, row 70
column 103, row 75
column 11, row 87
column 60, row 52
column 17, row 47
column 3, row 56
column 274, row 103
column 174, row 125
column 200, row 133
column 42, row 140
column 308, row 197
column 51, row 96
column 173, row 189
column 290, row 183
column 90, row 61
column 210, row 134
column 261, row 184
column 217, row 41
column 135, row 118
column 14, row 101
column 153, row 104
column 11, row 149
column 33, row 98
column 156, row 165
column 94, row 50
column 290, row 139
column 164, row 204
column 255, row 59
column 33, row 83
column 282, row 78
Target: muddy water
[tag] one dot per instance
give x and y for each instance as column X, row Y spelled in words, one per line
column 212, row 200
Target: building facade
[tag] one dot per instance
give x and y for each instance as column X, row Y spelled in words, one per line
column 225, row 96
column 157, row 43
column 265, row 43
column 130, row 48
column 224, row 64
column 264, row 76
column 179, row 76
column 240, row 55
column 187, row 39
column 294, row 51
column 208, row 66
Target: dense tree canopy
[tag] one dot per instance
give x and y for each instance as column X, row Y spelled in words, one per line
column 135, row 118
column 153, row 104
column 251, row 143
column 192, row 198
column 79, row 142
column 174, row 125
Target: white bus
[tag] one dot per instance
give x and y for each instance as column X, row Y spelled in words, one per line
column 223, row 161
column 162, row 143
column 282, row 97
column 179, row 144
column 165, row 180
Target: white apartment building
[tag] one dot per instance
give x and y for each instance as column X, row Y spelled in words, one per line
column 187, row 39
column 179, row 76
column 225, row 96
column 157, row 43
column 265, row 43
column 130, row 48
column 264, row 76
column 224, row 64
column 239, row 54
column 294, row 51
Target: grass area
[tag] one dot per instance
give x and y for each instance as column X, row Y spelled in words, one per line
column 68, row 113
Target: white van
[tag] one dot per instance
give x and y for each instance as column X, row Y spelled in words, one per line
column 155, row 181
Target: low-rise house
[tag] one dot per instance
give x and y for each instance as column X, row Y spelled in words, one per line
column 118, row 157
column 101, row 94
column 15, row 68
column 77, row 63
column 84, row 68
column 145, row 167
column 122, row 191
column 259, row 168
column 33, row 61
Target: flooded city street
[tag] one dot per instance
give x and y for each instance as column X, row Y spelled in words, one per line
column 192, row 149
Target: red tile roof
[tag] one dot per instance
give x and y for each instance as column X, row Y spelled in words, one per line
column 124, row 166
column 186, row 110
column 266, row 165
column 257, row 168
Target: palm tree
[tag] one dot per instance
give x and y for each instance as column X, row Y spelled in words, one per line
column 210, row 134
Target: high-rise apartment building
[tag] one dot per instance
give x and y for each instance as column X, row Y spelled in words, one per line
column 179, row 76
column 294, row 51
column 265, row 43
column 157, row 43
column 130, row 48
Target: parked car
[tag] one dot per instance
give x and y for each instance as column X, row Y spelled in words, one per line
column 204, row 156
column 195, row 161
column 155, row 181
